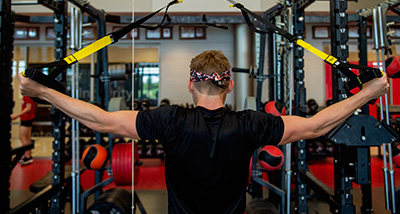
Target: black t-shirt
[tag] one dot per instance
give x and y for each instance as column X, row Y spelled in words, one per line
column 208, row 154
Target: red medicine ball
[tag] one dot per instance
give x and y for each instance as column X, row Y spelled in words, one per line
column 270, row 158
column 94, row 156
column 275, row 108
column 396, row 155
column 393, row 67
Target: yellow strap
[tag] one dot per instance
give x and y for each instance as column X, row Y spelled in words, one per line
column 88, row 50
column 331, row 60
column 328, row 58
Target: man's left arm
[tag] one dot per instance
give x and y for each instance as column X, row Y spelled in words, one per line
column 297, row 128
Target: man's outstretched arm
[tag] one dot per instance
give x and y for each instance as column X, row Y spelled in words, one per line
column 120, row 122
column 297, row 128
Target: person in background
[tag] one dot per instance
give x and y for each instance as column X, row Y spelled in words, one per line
column 27, row 116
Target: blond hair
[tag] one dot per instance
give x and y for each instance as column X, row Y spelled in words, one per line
column 209, row 62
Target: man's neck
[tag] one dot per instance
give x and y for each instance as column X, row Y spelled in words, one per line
column 210, row 102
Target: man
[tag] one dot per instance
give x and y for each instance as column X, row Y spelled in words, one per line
column 208, row 148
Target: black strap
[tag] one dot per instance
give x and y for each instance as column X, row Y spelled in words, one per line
column 251, row 25
column 118, row 34
column 46, row 80
column 366, row 74
column 246, row 11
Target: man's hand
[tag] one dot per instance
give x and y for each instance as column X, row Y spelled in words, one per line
column 30, row 88
column 376, row 87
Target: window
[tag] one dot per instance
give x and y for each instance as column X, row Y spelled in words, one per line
column 147, row 78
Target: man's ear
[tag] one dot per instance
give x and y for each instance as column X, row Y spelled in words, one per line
column 190, row 86
column 230, row 87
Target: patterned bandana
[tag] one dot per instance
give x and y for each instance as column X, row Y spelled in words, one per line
column 197, row 76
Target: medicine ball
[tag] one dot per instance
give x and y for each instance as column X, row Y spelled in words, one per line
column 94, row 156
column 276, row 108
column 270, row 158
column 393, row 67
column 396, row 154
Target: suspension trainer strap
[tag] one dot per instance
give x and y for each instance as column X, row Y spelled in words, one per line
column 35, row 74
column 57, row 67
column 366, row 73
column 246, row 11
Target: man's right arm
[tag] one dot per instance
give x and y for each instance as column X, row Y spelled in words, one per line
column 120, row 122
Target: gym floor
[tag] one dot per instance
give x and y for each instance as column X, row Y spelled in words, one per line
column 151, row 187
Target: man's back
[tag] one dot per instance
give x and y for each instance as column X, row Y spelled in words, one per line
column 208, row 154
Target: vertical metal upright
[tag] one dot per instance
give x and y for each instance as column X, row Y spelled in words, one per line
column 102, row 92
column 58, row 118
column 103, row 82
column 6, row 96
column 300, row 103
column 276, row 84
column 260, row 71
column 289, row 70
column 366, row 188
column 76, row 44
column 339, row 49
